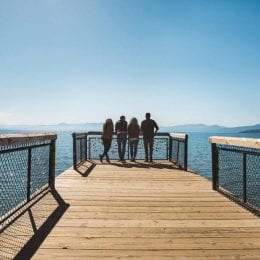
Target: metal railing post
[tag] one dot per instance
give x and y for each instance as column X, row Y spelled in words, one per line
column 80, row 149
column 29, row 174
column 86, row 146
column 177, row 157
column 52, row 164
column 244, row 178
column 214, row 153
column 74, row 151
column 186, row 153
column 170, row 148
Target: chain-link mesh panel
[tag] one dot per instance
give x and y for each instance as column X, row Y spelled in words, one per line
column 160, row 149
column 230, row 166
column 178, row 152
column 17, row 164
column 13, row 179
column 253, row 180
column 80, row 149
column 40, row 168
column 239, row 173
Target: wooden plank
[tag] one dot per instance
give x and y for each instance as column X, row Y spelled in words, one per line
column 158, row 215
column 135, row 209
column 156, row 232
column 15, row 139
column 144, row 213
column 235, row 141
column 152, row 243
column 177, row 135
column 68, row 254
column 67, row 222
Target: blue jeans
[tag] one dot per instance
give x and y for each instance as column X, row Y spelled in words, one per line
column 121, row 142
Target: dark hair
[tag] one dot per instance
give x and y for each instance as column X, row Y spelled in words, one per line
column 108, row 122
column 148, row 115
column 122, row 117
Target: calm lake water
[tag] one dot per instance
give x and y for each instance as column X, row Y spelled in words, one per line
column 199, row 161
column 199, row 151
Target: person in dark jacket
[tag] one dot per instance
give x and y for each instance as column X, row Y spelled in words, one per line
column 133, row 135
column 107, row 135
column 149, row 128
column 121, row 131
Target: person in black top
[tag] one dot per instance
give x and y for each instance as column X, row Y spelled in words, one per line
column 149, row 128
column 121, row 131
column 133, row 136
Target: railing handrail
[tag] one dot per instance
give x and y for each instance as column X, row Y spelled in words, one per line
column 178, row 135
column 16, row 139
column 81, row 148
column 174, row 135
column 236, row 141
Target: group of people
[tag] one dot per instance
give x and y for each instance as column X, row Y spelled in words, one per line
column 131, row 131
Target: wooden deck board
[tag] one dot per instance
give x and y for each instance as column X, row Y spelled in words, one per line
column 146, row 213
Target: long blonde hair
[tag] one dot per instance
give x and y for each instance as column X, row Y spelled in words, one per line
column 133, row 121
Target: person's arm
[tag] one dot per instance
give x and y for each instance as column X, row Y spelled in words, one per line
column 156, row 127
column 142, row 127
column 116, row 127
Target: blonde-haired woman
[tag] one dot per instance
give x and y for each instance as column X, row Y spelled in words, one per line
column 107, row 135
column 133, row 135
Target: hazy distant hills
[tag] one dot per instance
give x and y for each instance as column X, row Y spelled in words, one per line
column 58, row 127
column 212, row 128
column 98, row 126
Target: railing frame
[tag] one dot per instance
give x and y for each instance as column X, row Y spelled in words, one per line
column 180, row 138
column 237, row 142
column 16, row 143
column 84, row 153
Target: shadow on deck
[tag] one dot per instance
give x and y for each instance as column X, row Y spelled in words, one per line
column 133, row 210
column 21, row 238
column 85, row 168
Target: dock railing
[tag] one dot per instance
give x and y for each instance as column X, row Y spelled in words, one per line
column 167, row 146
column 236, row 170
column 27, row 168
column 179, row 150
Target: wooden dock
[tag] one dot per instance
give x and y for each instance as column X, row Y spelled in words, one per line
column 143, row 211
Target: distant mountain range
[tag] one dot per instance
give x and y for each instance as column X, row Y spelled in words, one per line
column 98, row 126
column 213, row 128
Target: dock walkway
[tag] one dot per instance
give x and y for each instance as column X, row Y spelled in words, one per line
column 148, row 212
column 143, row 211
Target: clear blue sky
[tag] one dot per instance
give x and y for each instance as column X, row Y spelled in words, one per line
column 186, row 61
